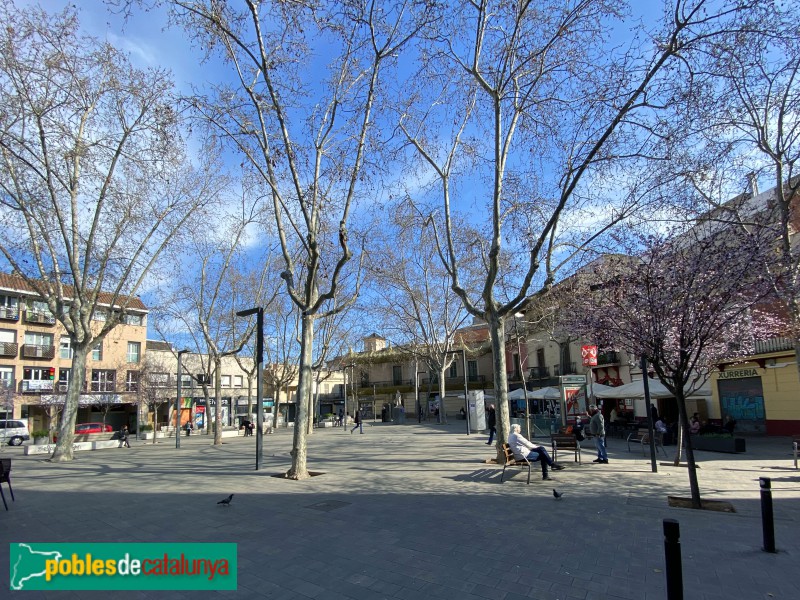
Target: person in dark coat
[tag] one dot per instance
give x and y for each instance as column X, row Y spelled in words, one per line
column 358, row 423
column 491, row 422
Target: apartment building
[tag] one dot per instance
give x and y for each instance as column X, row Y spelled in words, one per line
column 36, row 361
column 198, row 404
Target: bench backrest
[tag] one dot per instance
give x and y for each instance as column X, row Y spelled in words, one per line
column 564, row 440
column 510, row 458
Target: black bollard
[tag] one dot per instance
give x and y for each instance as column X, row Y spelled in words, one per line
column 672, row 555
column 767, row 523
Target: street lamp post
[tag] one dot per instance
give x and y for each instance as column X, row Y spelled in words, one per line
column 178, row 401
column 259, row 312
column 522, row 377
column 417, row 373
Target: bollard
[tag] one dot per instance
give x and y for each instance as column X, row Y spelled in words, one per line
column 672, row 555
column 767, row 524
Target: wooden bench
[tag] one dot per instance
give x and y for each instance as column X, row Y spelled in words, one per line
column 795, row 444
column 562, row 441
column 513, row 461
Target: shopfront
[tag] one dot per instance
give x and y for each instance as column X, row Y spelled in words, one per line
column 741, row 395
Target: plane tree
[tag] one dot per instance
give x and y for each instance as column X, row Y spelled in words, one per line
column 95, row 185
column 527, row 113
column 301, row 110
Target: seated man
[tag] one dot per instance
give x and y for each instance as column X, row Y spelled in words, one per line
column 522, row 448
column 730, row 424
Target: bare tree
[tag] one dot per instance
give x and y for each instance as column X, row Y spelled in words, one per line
column 206, row 301
column 414, row 294
column 525, row 111
column 307, row 138
column 95, row 184
column 740, row 127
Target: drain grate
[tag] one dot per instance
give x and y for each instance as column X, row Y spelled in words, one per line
column 328, row 505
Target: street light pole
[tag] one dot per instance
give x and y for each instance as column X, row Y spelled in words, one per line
column 466, row 386
column 178, row 400
column 259, row 312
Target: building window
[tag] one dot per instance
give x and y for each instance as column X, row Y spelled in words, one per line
column 103, row 380
column 453, row 370
column 226, row 381
column 159, row 379
column 133, row 320
column 9, row 307
column 397, row 375
column 238, row 381
column 134, row 352
column 187, row 381
column 97, row 351
column 472, row 369
column 66, row 347
column 64, row 376
column 36, row 379
column 132, row 381
column 99, row 315
column 37, row 338
column 6, row 378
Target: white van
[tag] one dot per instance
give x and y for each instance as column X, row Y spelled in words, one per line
column 13, row 432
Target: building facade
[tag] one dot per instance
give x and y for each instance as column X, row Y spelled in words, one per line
column 36, row 361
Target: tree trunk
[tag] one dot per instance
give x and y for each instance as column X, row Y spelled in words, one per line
column 66, row 434
column 692, row 467
column 299, row 469
column 442, row 388
column 503, row 422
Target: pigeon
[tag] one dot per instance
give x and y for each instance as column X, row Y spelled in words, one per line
column 226, row 501
column 557, row 495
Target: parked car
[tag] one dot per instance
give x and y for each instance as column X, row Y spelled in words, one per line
column 13, row 432
column 92, row 428
column 83, row 428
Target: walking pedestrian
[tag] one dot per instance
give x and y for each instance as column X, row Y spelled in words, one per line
column 598, row 429
column 123, row 436
column 491, row 421
column 358, row 424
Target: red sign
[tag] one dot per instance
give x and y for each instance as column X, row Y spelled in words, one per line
column 589, row 355
column 199, row 409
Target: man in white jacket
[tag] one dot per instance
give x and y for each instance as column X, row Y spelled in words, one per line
column 522, row 448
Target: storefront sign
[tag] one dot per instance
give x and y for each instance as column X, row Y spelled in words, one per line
column 738, row 374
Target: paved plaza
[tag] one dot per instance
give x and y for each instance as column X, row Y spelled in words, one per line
column 413, row 511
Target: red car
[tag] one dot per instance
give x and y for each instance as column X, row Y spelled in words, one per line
column 92, row 428
column 89, row 428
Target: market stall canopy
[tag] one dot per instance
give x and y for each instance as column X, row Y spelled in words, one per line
column 547, row 393
column 635, row 389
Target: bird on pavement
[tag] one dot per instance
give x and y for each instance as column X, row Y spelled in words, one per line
column 226, row 501
column 557, row 495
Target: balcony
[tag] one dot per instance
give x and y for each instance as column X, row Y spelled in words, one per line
column 39, row 317
column 366, row 383
column 36, row 385
column 37, row 351
column 9, row 313
column 608, row 358
column 538, row 373
column 8, row 349
column 774, row 345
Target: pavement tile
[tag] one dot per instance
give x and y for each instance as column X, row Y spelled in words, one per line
column 404, row 525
